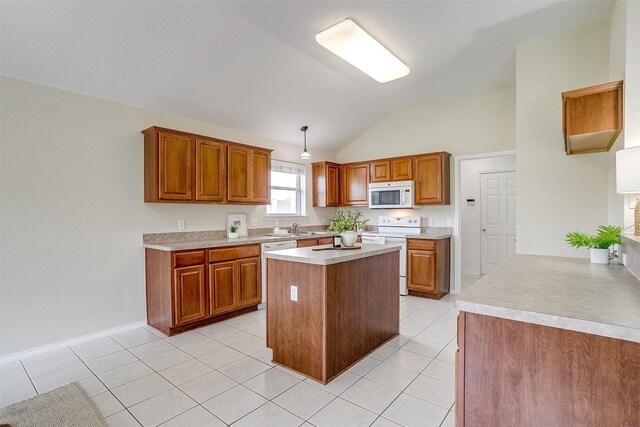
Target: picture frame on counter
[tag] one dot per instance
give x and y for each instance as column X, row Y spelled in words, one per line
column 240, row 221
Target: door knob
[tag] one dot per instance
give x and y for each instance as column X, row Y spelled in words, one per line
column 484, row 230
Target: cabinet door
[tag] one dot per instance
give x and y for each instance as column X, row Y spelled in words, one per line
column 355, row 184
column 401, row 169
column 211, row 170
column 428, row 178
column 381, row 171
column 188, row 294
column 421, row 270
column 260, row 177
column 222, row 290
column 249, row 282
column 238, row 174
column 175, row 166
column 333, row 189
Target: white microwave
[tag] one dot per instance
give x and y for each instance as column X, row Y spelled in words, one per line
column 391, row 195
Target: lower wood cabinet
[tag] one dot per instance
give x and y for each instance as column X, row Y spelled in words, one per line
column 189, row 294
column 186, row 289
column 428, row 267
column 222, row 287
column 304, row 243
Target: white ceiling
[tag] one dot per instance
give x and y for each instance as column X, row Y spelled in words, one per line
column 255, row 65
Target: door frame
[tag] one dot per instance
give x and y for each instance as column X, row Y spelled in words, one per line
column 509, row 170
column 456, row 271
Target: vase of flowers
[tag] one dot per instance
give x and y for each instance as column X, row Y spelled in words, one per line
column 347, row 224
column 599, row 243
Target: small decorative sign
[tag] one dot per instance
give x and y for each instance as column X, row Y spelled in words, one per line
column 240, row 221
column 471, row 202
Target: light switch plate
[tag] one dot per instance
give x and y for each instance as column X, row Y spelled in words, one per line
column 448, row 222
column 181, row 224
column 430, row 222
column 294, row 293
column 254, row 222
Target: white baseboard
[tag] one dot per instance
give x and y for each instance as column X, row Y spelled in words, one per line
column 70, row 342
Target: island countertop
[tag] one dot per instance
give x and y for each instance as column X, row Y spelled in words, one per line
column 566, row 293
column 309, row 256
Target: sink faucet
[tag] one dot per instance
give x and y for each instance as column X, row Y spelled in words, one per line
column 294, row 228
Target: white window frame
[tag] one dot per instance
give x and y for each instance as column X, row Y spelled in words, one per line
column 300, row 170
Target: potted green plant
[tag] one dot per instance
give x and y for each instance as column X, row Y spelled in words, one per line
column 347, row 223
column 599, row 243
column 233, row 231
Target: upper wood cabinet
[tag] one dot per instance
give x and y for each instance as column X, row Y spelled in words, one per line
column 249, row 173
column 592, row 118
column 260, row 172
column 431, row 176
column 380, row 171
column 430, row 172
column 399, row 169
column 175, row 164
column 211, row 170
column 187, row 168
column 325, row 184
column 402, row 169
column 354, row 184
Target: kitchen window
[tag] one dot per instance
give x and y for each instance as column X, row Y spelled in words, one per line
column 287, row 190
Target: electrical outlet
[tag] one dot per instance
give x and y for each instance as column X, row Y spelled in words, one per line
column 181, row 224
column 448, row 222
column 294, row 293
column 430, row 220
column 254, row 222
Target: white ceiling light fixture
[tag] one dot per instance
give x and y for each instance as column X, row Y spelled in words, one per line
column 357, row 47
column 305, row 154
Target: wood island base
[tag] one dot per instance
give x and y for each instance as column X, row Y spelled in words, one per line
column 343, row 312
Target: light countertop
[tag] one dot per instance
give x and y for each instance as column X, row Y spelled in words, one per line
column 567, row 293
column 181, row 245
column 213, row 243
column 309, row 256
column 430, row 236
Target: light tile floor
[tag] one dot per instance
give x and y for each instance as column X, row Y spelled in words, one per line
column 222, row 374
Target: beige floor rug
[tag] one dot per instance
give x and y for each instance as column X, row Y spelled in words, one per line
column 67, row 406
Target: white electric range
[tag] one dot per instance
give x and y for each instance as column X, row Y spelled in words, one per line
column 394, row 230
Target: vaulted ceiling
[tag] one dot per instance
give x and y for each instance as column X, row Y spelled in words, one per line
column 255, row 65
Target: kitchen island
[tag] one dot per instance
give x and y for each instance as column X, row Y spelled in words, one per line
column 328, row 309
column 547, row 341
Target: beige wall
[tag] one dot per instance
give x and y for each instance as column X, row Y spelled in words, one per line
column 472, row 123
column 617, row 63
column 72, row 213
column 557, row 193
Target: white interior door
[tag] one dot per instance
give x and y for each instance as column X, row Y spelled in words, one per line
column 498, row 218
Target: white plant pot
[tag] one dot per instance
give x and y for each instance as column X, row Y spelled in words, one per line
column 348, row 238
column 233, row 235
column 600, row 256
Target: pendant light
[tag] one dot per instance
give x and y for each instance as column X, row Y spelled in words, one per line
column 305, row 154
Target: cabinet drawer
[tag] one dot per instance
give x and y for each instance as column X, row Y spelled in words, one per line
column 230, row 254
column 303, row 243
column 325, row 241
column 427, row 245
column 185, row 259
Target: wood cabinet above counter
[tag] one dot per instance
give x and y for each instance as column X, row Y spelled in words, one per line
column 350, row 187
column 592, row 118
column 181, row 167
